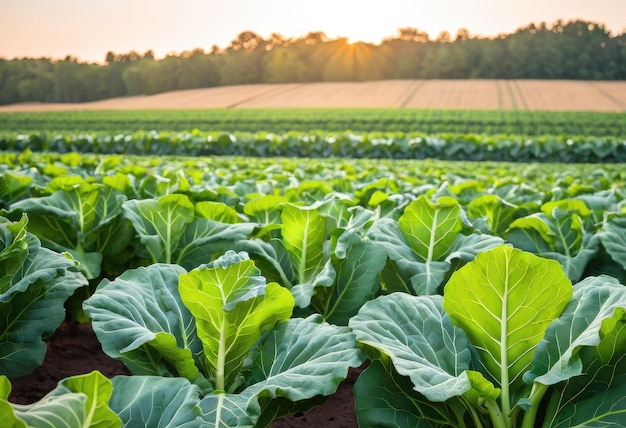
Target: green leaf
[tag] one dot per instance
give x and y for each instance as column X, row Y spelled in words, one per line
column 13, row 250
column 304, row 233
column 612, row 235
column 77, row 401
column 532, row 233
column 204, row 238
column 160, row 224
column 229, row 410
column 73, row 218
column 586, row 395
column 302, row 358
column 357, row 267
column 430, row 227
column 98, row 390
column 421, row 341
column 14, row 187
column 5, row 387
column 383, row 398
column 603, row 410
column 562, row 231
column 497, row 212
column 216, row 211
column 140, row 319
column 595, row 300
column 265, row 209
column 419, row 273
column 504, row 300
column 66, row 411
column 156, row 402
column 232, row 306
column 32, row 299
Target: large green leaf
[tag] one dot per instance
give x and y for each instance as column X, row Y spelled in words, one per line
column 594, row 300
column 265, row 209
column 350, row 277
column 160, row 224
column 504, row 300
column 217, row 211
column 418, row 338
column 13, row 250
column 603, row 410
column 221, row 410
column 98, row 390
column 232, row 306
column 304, row 233
column 302, row 358
column 203, row 238
column 594, row 398
column 612, row 235
column 34, row 290
column 77, row 401
column 430, row 227
column 421, row 341
column 140, row 319
column 356, row 267
column 496, row 212
column 156, row 402
column 384, row 398
column 14, row 187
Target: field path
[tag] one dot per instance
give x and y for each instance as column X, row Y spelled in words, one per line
column 438, row 94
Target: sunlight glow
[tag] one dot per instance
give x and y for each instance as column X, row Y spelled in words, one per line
column 88, row 30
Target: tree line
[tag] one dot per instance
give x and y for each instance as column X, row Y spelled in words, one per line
column 564, row 50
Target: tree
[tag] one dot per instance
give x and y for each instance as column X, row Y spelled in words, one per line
column 247, row 41
column 284, row 65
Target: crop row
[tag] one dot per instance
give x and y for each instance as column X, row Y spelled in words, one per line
column 424, row 121
column 506, row 148
column 217, row 289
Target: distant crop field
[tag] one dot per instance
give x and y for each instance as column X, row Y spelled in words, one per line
column 543, row 95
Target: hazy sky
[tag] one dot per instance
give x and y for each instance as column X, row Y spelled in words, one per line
column 88, row 29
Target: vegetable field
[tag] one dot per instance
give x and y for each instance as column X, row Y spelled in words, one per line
column 239, row 274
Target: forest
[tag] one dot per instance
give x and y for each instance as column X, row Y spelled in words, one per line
column 563, row 50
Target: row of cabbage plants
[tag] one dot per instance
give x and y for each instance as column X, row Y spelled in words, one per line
column 234, row 303
column 323, row 144
column 572, row 123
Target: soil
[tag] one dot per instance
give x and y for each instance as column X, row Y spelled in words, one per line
column 74, row 349
column 490, row 94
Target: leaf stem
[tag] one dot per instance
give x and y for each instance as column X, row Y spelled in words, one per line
column 497, row 417
column 221, row 362
column 536, row 395
column 504, row 360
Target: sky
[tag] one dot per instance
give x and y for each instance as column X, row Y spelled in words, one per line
column 88, row 29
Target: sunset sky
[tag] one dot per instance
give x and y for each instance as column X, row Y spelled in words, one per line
column 88, row 29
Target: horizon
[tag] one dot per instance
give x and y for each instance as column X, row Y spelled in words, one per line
column 87, row 32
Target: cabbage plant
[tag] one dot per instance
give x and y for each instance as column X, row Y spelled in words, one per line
column 81, row 218
column 562, row 231
column 511, row 343
column 320, row 252
column 35, row 282
column 215, row 346
column 172, row 229
column 429, row 241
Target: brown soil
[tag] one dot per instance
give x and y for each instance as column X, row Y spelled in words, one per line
column 74, row 349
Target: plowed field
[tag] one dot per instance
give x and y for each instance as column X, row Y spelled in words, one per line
column 456, row 94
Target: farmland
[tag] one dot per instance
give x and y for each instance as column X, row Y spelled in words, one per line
column 241, row 261
column 480, row 94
